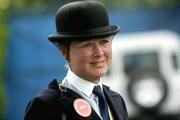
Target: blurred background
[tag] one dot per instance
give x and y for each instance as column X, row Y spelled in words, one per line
column 28, row 61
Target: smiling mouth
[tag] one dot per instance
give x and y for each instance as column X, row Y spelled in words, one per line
column 98, row 64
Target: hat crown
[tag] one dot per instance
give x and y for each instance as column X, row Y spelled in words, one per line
column 81, row 16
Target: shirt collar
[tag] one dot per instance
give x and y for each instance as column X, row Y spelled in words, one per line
column 82, row 85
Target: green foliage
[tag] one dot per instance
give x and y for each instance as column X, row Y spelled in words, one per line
column 120, row 4
column 3, row 36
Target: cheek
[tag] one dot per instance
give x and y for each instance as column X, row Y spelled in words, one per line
column 79, row 57
column 108, row 53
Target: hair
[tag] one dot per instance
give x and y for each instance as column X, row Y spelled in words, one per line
column 64, row 47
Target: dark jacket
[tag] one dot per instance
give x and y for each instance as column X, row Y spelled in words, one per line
column 57, row 104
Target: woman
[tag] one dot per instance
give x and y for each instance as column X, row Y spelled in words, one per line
column 84, row 38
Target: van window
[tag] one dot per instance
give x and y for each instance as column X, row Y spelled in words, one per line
column 138, row 62
column 175, row 61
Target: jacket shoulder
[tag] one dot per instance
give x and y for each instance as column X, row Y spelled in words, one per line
column 42, row 107
column 44, row 104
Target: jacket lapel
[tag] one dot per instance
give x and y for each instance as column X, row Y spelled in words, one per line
column 116, row 104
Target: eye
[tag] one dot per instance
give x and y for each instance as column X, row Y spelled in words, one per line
column 86, row 44
column 104, row 42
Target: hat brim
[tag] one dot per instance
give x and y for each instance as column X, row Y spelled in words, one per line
column 93, row 33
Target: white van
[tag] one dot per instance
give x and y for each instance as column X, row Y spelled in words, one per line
column 146, row 72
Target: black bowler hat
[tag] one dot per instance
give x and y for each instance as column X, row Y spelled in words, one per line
column 80, row 20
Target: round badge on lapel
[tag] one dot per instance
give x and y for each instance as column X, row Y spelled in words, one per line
column 82, row 107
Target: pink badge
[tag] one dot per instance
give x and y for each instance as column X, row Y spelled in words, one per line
column 82, row 107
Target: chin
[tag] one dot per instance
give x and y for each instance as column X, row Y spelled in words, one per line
column 99, row 75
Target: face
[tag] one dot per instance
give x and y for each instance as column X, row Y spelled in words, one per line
column 90, row 59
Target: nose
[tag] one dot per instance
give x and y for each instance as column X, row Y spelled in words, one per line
column 98, row 51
